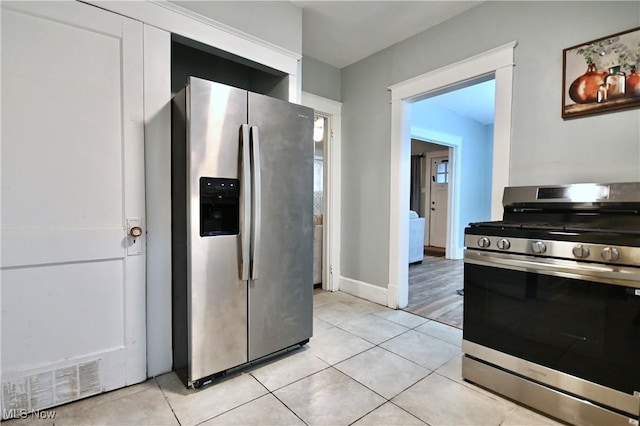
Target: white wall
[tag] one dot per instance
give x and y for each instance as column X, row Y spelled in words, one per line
column 545, row 149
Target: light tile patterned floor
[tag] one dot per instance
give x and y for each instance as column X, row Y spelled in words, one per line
column 365, row 365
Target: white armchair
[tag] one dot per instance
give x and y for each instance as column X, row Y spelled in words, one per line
column 416, row 237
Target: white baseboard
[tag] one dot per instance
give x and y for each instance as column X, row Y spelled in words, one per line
column 393, row 300
column 366, row 291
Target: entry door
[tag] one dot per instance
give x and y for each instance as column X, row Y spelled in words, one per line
column 73, row 279
column 438, row 201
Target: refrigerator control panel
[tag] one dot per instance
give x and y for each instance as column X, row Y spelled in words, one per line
column 219, row 206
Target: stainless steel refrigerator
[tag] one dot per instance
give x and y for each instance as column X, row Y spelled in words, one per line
column 242, row 228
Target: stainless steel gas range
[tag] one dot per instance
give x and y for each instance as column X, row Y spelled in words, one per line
column 552, row 301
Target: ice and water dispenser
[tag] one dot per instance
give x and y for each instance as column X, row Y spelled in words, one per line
column 219, row 206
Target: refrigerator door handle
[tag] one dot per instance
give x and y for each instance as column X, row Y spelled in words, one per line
column 256, row 202
column 245, row 201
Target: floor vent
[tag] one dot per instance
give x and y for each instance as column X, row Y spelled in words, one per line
column 44, row 390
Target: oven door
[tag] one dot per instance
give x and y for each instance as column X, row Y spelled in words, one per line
column 576, row 325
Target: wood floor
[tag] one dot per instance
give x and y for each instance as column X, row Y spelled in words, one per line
column 432, row 290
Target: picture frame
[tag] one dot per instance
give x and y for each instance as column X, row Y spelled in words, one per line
column 601, row 75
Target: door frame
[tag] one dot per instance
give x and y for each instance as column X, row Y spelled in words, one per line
column 500, row 63
column 332, row 188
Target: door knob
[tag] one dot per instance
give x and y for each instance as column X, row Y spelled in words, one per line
column 135, row 232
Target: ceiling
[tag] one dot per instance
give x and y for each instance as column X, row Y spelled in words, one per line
column 476, row 102
column 340, row 33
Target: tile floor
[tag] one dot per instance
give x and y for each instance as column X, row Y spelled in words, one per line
column 365, row 365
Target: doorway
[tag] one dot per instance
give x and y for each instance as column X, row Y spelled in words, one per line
column 321, row 135
column 435, row 286
column 327, row 164
column 498, row 63
column 459, row 182
column 424, row 198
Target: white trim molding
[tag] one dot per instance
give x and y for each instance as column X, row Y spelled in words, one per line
column 500, row 63
column 157, row 133
column 332, row 224
column 226, row 28
column 473, row 67
column 399, row 204
column 364, row 290
column 176, row 19
column 501, row 139
column 320, row 104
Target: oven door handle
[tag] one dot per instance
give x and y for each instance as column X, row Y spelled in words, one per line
column 611, row 274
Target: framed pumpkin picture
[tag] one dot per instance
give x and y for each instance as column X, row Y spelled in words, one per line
column 601, row 75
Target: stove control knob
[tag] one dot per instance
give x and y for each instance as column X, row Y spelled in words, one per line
column 538, row 247
column 503, row 244
column 484, row 242
column 610, row 253
column 581, row 251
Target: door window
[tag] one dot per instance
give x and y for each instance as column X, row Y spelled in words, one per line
column 442, row 172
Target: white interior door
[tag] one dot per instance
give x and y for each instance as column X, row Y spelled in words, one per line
column 438, row 203
column 73, row 280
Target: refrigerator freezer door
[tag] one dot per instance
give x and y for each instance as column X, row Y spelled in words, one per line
column 280, row 299
column 217, row 299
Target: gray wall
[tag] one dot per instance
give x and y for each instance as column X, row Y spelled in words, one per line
column 320, row 78
column 545, row 149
